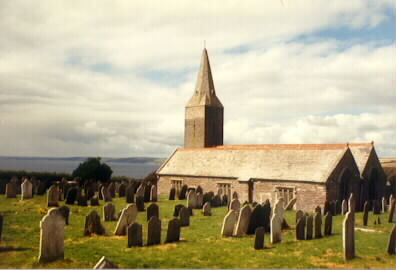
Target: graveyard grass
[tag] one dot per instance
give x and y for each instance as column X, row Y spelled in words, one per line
column 201, row 245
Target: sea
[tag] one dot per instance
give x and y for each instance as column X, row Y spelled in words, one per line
column 136, row 167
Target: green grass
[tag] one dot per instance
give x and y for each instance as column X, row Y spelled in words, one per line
column 201, row 245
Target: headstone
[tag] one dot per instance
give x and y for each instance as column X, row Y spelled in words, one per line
column 140, row 203
column 267, row 215
column 300, row 228
column 344, row 207
column 94, row 201
column 392, row 211
column 391, row 199
column 64, row 211
column 224, row 200
column 27, row 189
column 259, row 238
column 82, row 200
column 104, row 263
column 152, row 210
column 383, row 205
column 365, row 213
column 276, row 228
column 106, row 194
column 207, row 210
column 392, row 241
column 10, row 190
column 93, row 225
column 1, row 225
column 184, row 215
column 172, row 194
column 279, row 209
column 128, row 216
column 338, row 207
column 243, row 221
column 328, row 224
column 183, row 192
column 109, row 212
column 71, row 195
column 121, row 190
column 256, row 219
column 326, row 207
column 318, row 225
column 299, row 214
column 147, row 192
column 111, row 189
column 208, row 196
column 130, row 194
column 333, row 208
column 135, row 235
column 235, row 205
column 235, row 195
column 154, row 193
column 173, row 233
column 154, row 231
column 216, row 201
column 199, row 190
column 352, row 204
column 51, row 236
column 348, row 236
column 200, row 202
column 309, row 234
column 52, row 196
column 192, row 200
column 177, row 209
column 229, row 223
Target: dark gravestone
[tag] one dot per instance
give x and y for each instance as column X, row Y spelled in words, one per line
column 235, row 195
column 224, row 200
column 147, row 193
column 199, row 189
column 377, row 207
column 348, row 236
column 173, row 233
column 42, row 187
column 172, row 194
column 328, row 226
column 318, row 225
column 183, row 192
column 391, row 241
column 184, row 215
column 152, row 210
column 256, row 219
column 65, row 211
column 111, row 188
column 365, row 213
column 300, row 228
column 190, row 211
column 299, row 214
column 109, row 212
column 216, row 201
column 121, row 190
column 338, row 207
column 71, row 195
column 94, row 201
column 135, row 235
column 267, row 215
column 82, row 200
column 309, row 234
column 326, row 207
column 392, row 211
column 206, row 197
column 177, row 209
column 130, row 194
column 259, row 238
column 284, row 225
column 333, row 208
column 140, row 203
column 1, row 225
column 154, row 231
column 93, row 225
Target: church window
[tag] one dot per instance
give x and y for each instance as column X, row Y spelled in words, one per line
column 287, row 193
column 177, row 184
column 224, row 188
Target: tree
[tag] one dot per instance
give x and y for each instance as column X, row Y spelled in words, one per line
column 92, row 168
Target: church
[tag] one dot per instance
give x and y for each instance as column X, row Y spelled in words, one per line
column 309, row 173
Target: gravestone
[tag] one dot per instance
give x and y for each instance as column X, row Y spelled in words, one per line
column 172, row 194
column 276, row 228
column 152, row 211
column 377, row 207
column 93, row 225
column 299, row 214
column 208, row 196
column 94, row 201
column 104, row 263
column 52, row 196
column 392, row 241
column 224, row 200
column 51, row 236
column 177, row 209
column 365, row 213
column 183, row 192
column 154, row 193
column 333, row 208
column 392, row 211
column 109, row 212
column 26, row 189
column 318, row 225
column 328, row 227
column 235, row 195
column 216, row 201
column 383, row 204
column 256, row 219
column 267, row 215
column 235, row 205
column 154, row 231
column 140, row 203
column 117, row 188
column 338, row 207
column 121, row 190
column 147, row 192
column 259, row 238
column 326, row 207
column 352, row 205
column 199, row 190
column 64, row 211
column 71, row 195
column 206, row 209
column 128, row 216
column 106, row 194
column 344, row 207
column 111, row 189
column 242, row 224
column 82, row 200
column 184, row 215
column 135, row 235
column 309, row 234
column 229, row 223
column 130, row 194
column 391, row 200
column 300, row 228
column 192, row 199
column 279, row 208
column 1, row 225
column 10, row 190
column 348, row 236
column 200, row 200
column 173, row 233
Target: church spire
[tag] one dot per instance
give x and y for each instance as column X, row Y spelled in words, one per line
column 204, row 93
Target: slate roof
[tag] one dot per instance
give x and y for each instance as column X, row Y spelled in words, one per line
column 361, row 153
column 293, row 162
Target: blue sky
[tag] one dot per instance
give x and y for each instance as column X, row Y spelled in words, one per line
column 111, row 78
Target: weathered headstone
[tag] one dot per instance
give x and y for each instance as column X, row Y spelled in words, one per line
column 172, row 194
column 173, row 233
column 152, row 210
column 199, row 190
column 104, row 263
column 140, row 203
column 207, row 210
column 106, row 194
column 109, row 212
column 216, row 201
column 383, row 204
column 229, row 223
column 256, row 219
column 128, row 216
column 344, row 207
column 318, row 225
column 64, row 211
column 392, row 241
column 352, row 204
column 338, row 207
column 267, row 215
column 243, row 221
column 154, row 231
column 392, row 211
column 300, row 228
column 130, row 194
column 259, row 238
column 309, row 234
column 365, row 213
column 111, row 189
column 52, row 196
column 71, row 195
column 276, row 228
column 184, row 215
column 348, row 236
column 328, row 226
column 93, row 225
column 235, row 205
column 235, row 195
column 51, row 236
column 147, row 192
column 200, row 202
column 192, row 199
column 94, row 201
column 121, row 190
column 154, row 193
column 326, row 207
column 391, row 199
column 135, row 235
column 299, row 214
column 26, row 189
column 177, row 209
column 10, row 190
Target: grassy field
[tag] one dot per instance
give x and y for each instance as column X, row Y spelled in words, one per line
column 201, row 245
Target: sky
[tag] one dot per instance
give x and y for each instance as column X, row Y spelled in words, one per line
column 111, row 78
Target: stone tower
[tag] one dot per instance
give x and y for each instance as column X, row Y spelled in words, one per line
column 204, row 112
